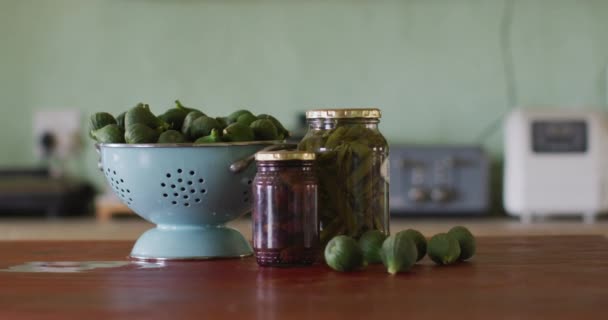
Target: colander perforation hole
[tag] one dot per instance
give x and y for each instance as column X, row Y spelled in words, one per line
column 183, row 187
column 246, row 199
column 249, row 181
column 118, row 185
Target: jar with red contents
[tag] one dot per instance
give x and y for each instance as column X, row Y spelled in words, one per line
column 285, row 222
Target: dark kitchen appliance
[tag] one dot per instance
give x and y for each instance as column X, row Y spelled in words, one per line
column 439, row 180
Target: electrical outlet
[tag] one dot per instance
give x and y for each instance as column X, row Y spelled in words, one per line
column 57, row 133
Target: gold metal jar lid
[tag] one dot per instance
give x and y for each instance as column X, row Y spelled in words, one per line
column 284, row 155
column 370, row 113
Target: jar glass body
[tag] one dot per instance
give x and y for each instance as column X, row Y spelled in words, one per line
column 352, row 169
column 285, row 222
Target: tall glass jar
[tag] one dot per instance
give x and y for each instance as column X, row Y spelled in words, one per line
column 285, row 222
column 352, row 169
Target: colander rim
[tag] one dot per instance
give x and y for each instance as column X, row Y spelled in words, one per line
column 187, row 145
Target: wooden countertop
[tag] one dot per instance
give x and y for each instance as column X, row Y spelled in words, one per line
column 563, row 277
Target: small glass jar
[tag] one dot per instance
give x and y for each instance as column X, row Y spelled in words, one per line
column 352, row 169
column 285, row 223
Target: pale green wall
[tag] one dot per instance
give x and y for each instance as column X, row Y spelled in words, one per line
column 435, row 67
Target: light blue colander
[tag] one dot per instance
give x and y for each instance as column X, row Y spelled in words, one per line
column 188, row 191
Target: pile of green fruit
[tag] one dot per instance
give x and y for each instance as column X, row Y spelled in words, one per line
column 398, row 252
column 183, row 125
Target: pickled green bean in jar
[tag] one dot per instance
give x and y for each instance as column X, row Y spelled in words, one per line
column 352, row 170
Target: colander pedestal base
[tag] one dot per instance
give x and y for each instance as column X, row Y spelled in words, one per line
column 188, row 242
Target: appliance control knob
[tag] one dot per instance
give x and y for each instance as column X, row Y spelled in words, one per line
column 440, row 194
column 417, row 194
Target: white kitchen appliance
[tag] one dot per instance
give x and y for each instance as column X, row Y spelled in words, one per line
column 556, row 163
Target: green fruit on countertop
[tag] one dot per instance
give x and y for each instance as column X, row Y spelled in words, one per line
column 371, row 245
column 465, row 239
column 171, row 136
column 139, row 133
column 419, row 241
column 202, row 126
column 398, row 253
column 174, row 117
column 109, row 134
column 213, row 137
column 188, row 120
column 141, row 114
column 100, row 120
column 238, row 132
column 120, row 120
column 342, row 253
column 443, row 249
column 264, row 129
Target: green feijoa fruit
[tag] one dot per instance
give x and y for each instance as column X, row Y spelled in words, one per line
column 342, row 253
column 371, row 245
column 99, row 120
column 246, row 119
column 211, row 138
column 235, row 115
column 280, row 128
column 188, row 120
column 465, row 239
column 141, row 114
column 419, row 241
column 238, row 132
column 180, row 106
column 120, row 120
column 171, row 136
column 443, row 249
column 264, row 129
column 109, row 134
column 202, row 126
column 140, row 133
column 222, row 122
column 398, row 253
column 174, row 117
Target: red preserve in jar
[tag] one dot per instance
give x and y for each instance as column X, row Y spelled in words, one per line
column 285, row 223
